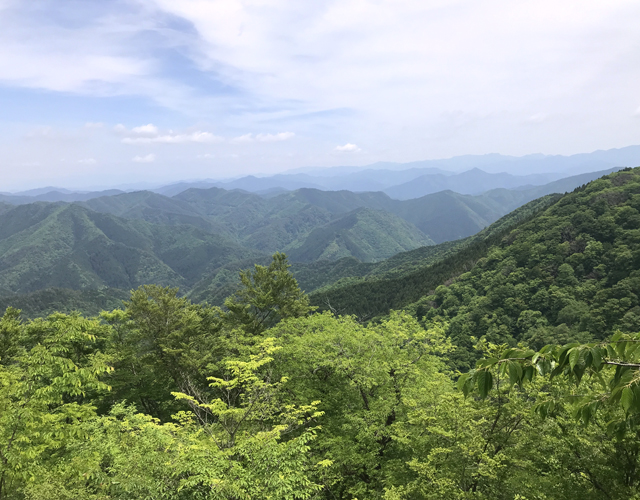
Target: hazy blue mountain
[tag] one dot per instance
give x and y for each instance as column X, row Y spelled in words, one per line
column 179, row 187
column 474, row 181
column 495, row 163
column 53, row 196
column 399, row 184
column 39, row 191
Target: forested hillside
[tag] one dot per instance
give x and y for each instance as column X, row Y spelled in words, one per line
column 49, row 245
column 266, row 399
column 407, row 277
column 570, row 273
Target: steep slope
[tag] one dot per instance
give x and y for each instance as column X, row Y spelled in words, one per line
column 571, row 273
column 45, row 245
column 406, row 277
column 568, row 272
column 447, row 216
column 368, row 235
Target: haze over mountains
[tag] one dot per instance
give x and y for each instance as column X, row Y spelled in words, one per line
column 462, row 174
column 199, row 238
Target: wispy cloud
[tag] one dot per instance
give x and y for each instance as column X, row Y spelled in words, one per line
column 202, row 137
column 87, row 161
column 242, row 138
column 149, row 134
column 150, row 158
column 280, row 136
column 149, row 129
column 348, row 148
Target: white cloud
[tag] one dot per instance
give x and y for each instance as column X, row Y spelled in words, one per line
column 243, row 138
column 149, row 129
column 637, row 113
column 202, row 137
column 145, row 159
column 150, row 134
column 87, row 161
column 281, row 136
column 206, row 156
column 348, row 148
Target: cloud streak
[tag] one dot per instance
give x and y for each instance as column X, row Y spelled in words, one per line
column 193, row 137
column 150, row 158
column 348, row 148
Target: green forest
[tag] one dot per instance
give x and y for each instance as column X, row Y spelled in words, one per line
column 505, row 365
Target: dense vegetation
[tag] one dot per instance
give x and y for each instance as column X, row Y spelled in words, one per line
column 166, row 399
column 407, row 277
column 571, row 273
column 267, row 397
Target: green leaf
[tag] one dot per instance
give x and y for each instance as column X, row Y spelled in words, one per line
column 462, row 380
column 485, row 382
column 626, row 399
column 574, row 357
column 596, row 357
column 528, row 373
column 508, row 353
column 515, row 372
column 620, row 348
column 487, row 362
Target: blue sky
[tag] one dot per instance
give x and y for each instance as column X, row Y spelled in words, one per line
column 102, row 93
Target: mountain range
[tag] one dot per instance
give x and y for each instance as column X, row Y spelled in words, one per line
column 462, row 174
column 198, row 239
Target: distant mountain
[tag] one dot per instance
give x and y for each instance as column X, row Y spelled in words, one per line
column 471, row 174
column 399, row 184
column 179, row 187
column 52, row 196
column 474, row 181
column 366, row 234
column 274, row 223
column 496, row 163
column 42, row 190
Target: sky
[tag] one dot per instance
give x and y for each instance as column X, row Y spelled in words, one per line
column 110, row 92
